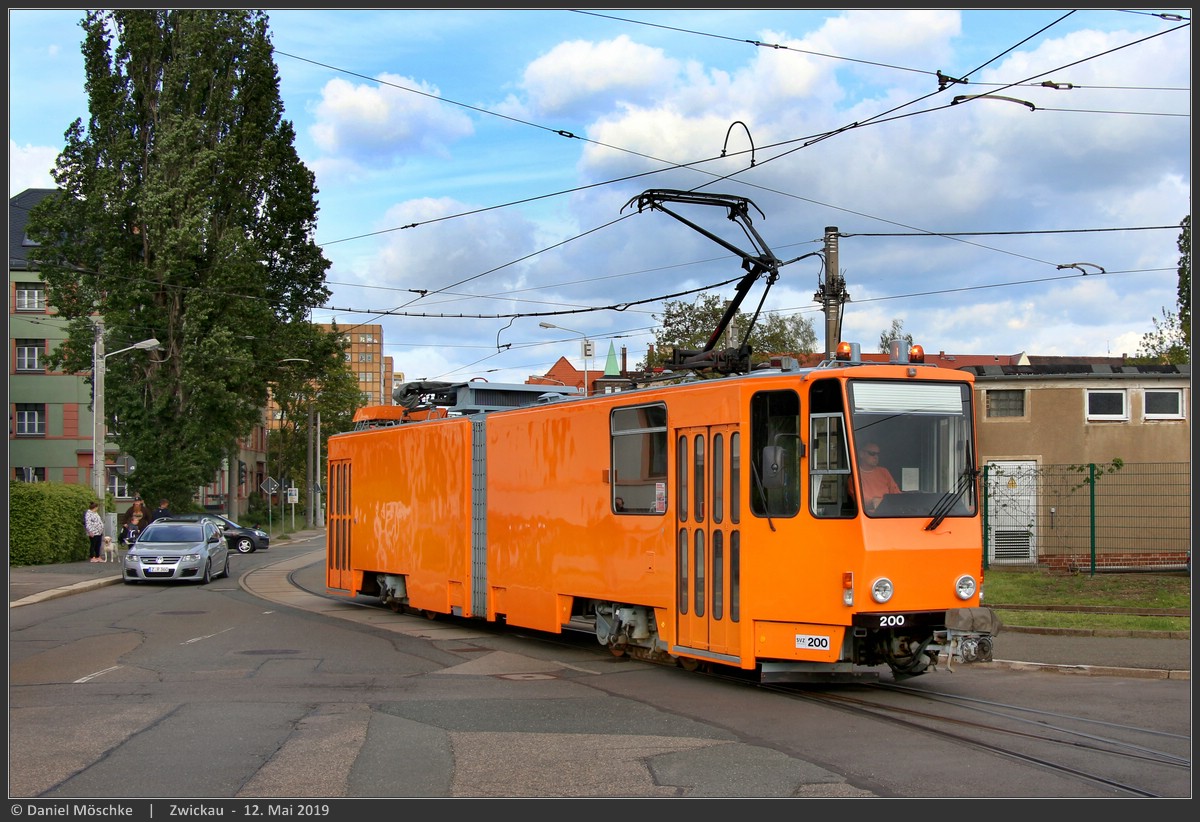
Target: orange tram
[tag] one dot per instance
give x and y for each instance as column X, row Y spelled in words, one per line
column 709, row 522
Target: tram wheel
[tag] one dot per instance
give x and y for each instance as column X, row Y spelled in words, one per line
column 688, row 664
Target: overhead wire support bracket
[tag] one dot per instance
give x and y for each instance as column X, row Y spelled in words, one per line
column 1080, row 267
column 962, row 98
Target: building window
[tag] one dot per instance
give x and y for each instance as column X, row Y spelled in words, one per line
column 1006, row 403
column 31, row 420
column 29, row 355
column 366, row 338
column 1107, row 405
column 1164, row 404
column 366, row 376
column 117, row 485
column 31, row 297
column 366, row 356
column 26, row 473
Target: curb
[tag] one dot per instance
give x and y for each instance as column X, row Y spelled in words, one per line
column 1088, row 670
column 64, row 591
column 1099, row 632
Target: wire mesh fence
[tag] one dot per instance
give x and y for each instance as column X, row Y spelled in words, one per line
column 1090, row 517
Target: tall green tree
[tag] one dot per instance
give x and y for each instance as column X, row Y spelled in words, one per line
column 184, row 214
column 1171, row 340
column 690, row 325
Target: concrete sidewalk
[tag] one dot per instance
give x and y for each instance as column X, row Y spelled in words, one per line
column 1144, row 655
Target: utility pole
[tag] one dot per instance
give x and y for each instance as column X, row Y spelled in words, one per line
column 308, row 479
column 98, row 433
column 832, row 294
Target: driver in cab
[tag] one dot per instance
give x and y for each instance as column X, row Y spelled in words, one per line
column 876, row 480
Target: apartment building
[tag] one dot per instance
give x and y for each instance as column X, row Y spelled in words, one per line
column 366, row 359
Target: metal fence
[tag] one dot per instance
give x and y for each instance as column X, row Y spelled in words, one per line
column 1088, row 518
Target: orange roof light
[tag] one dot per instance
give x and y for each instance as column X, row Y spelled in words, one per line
column 843, row 351
column 916, row 353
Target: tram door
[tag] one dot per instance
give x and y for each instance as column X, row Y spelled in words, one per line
column 337, row 532
column 707, row 548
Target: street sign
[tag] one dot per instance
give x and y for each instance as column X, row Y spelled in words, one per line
column 317, row 487
column 269, row 486
column 293, row 495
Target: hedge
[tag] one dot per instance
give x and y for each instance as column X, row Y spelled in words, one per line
column 45, row 522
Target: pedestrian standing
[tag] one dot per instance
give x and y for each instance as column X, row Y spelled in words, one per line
column 163, row 510
column 94, row 525
column 137, row 508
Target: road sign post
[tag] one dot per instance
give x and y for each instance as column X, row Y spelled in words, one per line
column 269, row 487
column 293, row 496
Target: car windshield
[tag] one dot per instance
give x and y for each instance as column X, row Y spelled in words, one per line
column 181, row 532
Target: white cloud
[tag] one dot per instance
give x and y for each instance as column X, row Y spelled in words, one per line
column 386, row 123
column 579, row 75
column 30, row 167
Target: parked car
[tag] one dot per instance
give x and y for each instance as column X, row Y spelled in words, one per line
column 178, row 549
column 241, row 538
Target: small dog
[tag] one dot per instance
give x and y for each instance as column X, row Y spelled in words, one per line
column 110, row 550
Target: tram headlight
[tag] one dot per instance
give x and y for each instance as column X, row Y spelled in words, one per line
column 882, row 590
column 964, row 586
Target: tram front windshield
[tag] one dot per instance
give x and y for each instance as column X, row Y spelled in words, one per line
column 922, row 435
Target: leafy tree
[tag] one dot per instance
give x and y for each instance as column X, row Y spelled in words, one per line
column 1185, row 279
column 184, row 214
column 317, row 379
column 1171, row 340
column 690, row 325
column 896, row 332
column 777, row 334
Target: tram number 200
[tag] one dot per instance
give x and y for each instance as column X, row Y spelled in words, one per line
column 812, row 643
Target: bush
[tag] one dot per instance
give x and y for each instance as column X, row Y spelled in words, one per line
column 45, row 522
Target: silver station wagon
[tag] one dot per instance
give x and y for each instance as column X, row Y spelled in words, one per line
column 168, row 549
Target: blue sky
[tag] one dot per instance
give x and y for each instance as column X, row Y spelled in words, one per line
column 437, row 140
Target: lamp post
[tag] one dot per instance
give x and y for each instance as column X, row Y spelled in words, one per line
column 98, row 429
column 586, row 348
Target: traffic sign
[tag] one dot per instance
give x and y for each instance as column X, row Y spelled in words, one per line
column 293, row 495
column 269, row 486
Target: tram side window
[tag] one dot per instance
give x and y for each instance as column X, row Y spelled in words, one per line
column 829, row 467
column 775, row 451
column 638, row 471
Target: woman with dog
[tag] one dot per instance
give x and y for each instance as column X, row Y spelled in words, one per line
column 94, row 525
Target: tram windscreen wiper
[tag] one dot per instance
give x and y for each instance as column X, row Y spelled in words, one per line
column 946, row 504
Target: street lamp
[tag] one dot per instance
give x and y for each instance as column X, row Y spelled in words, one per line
column 586, row 348
column 98, row 429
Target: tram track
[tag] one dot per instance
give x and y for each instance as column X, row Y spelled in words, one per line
column 1122, row 759
column 1050, row 750
column 1096, row 752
